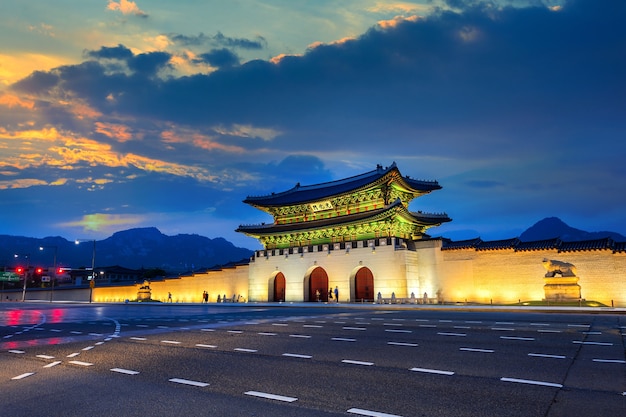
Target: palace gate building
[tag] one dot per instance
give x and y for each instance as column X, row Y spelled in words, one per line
column 355, row 235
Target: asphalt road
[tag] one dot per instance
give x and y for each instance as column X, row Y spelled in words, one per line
column 247, row 360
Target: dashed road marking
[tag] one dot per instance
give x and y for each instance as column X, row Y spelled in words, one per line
column 432, row 371
column 189, row 382
column 171, row 342
column 245, row 350
column 73, row 355
column 45, row 356
column 355, row 328
column 125, row 371
column 402, row 344
column 370, row 413
column 609, row 360
column 343, row 339
column 398, row 331
column 51, row 364
column 302, row 336
column 546, row 355
column 531, row 382
column 25, row 375
column 205, row 346
column 526, row 339
column 81, row 363
column 351, row 362
column 593, row 343
column 16, row 351
column 451, row 334
column 271, row 396
column 297, row 355
column 138, row 338
column 467, row 349
column 267, row 334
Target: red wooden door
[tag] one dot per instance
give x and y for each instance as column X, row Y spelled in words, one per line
column 318, row 284
column 364, row 285
column 279, row 287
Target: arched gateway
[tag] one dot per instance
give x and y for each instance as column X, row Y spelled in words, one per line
column 364, row 285
column 279, row 287
column 318, row 285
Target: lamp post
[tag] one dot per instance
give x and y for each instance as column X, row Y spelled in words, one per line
column 54, row 265
column 93, row 265
column 26, row 271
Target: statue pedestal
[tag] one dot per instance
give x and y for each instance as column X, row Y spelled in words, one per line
column 561, row 288
column 144, row 295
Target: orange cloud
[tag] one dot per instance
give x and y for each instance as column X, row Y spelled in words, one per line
column 10, row 101
column 118, row 132
column 126, row 7
column 391, row 23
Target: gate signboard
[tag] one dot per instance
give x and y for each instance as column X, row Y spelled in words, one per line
column 9, row 277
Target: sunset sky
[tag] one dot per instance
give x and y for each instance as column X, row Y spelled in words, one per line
column 124, row 114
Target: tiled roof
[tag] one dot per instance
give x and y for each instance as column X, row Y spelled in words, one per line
column 498, row 244
column 302, row 194
column 597, row 244
column 558, row 244
column 461, row 244
column 429, row 220
column 538, row 245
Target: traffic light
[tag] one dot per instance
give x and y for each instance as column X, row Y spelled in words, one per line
column 19, row 270
column 38, row 271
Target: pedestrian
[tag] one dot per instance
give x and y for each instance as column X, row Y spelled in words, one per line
column 169, row 297
column 337, row 293
column 330, row 294
column 219, row 298
column 317, row 294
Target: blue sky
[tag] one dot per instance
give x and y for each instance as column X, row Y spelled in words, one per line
column 121, row 114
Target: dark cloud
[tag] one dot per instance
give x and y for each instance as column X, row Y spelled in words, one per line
column 219, row 58
column 111, row 52
column 218, row 39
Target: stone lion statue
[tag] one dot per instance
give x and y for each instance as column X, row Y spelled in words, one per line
column 554, row 267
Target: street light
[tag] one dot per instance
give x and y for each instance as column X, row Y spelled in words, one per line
column 93, row 264
column 27, row 256
column 54, row 265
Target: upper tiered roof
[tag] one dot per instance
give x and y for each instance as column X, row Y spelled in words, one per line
column 310, row 193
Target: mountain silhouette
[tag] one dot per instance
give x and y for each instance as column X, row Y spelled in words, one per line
column 134, row 248
column 553, row 227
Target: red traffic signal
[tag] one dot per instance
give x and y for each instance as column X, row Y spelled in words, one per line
column 59, row 271
column 39, row 271
column 19, row 270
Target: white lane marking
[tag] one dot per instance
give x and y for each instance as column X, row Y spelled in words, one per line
column 16, row 351
column 271, row 396
column 461, row 327
column 172, row 342
column 235, row 331
column 422, row 320
column 99, row 343
column 466, row 349
column 88, row 348
column 591, row 332
column 51, row 364
column 370, row 413
column 138, row 338
column 609, row 360
column 432, row 371
column 267, row 334
column 297, row 355
column 55, row 330
column 473, row 321
column 507, row 329
column 303, row 336
column 162, row 327
column 125, row 371
column 188, row 382
column 95, row 334
column 279, row 324
column 355, row 328
column 504, row 322
column 45, row 356
column 81, row 363
column 546, row 355
column 205, row 346
column 315, row 326
column 451, row 334
column 398, row 331
column 593, row 343
column 539, row 324
column 27, row 374
column 75, row 332
column 357, row 362
column 578, row 325
column 531, row 382
column 445, row 321
column 207, row 330
column 527, row 339
column 73, row 355
column 393, row 324
column 245, row 350
column 548, row 331
column 343, row 339
column 142, row 325
column 402, row 344
column 426, row 325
